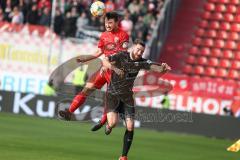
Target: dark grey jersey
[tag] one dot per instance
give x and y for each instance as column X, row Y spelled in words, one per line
column 123, row 61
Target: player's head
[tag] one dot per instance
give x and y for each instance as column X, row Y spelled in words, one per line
column 111, row 21
column 138, row 49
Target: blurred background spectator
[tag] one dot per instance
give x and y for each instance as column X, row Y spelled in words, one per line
column 80, row 77
column 45, row 18
column 82, row 22
column 69, row 25
column 33, row 15
column 110, row 6
column 166, row 101
column 1, row 15
column 7, row 10
column 126, row 23
column 58, row 21
column 16, row 16
column 42, row 4
column 48, row 89
column 138, row 16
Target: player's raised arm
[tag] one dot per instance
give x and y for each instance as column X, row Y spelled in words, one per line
column 136, row 55
column 162, row 68
column 106, row 63
column 110, row 65
column 156, row 67
column 85, row 58
column 98, row 53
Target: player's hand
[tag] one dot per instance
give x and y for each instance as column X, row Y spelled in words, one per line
column 119, row 72
column 113, row 62
column 165, row 67
column 103, row 70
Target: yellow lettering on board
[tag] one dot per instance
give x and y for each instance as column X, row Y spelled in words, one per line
column 34, row 57
column 3, row 51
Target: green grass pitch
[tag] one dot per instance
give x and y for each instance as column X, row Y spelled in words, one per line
column 31, row 138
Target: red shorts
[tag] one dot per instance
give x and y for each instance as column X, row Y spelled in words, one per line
column 99, row 80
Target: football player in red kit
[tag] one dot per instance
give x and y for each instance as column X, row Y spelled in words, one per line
column 111, row 41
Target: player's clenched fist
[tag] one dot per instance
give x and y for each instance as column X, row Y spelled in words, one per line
column 165, row 67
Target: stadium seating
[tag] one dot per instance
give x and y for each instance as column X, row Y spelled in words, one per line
column 235, row 64
column 205, row 51
column 214, row 48
column 210, row 71
column 199, row 70
column 233, row 74
column 209, row 31
column 215, row 52
column 195, row 51
column 188, row 69
column 237, row 55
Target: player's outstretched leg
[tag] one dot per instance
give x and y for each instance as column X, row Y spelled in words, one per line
column 78, row 100
column 100, row 124
column 128, row 138
column 112, row 119
column 108, row 129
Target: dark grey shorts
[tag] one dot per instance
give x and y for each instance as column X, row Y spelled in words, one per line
column 118, row 104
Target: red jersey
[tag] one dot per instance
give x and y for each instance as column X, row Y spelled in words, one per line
column 113, row 42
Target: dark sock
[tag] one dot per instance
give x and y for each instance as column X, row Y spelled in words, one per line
column 127, row 141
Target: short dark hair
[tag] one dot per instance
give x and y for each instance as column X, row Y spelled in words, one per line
column 139, row 41
column 112, row 15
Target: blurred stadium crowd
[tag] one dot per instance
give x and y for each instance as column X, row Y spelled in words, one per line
column 71, row 17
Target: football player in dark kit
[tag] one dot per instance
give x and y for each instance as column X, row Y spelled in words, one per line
column 119, row 97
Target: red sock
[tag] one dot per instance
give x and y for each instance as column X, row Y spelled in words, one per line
column 104, row 118
column 77, row 102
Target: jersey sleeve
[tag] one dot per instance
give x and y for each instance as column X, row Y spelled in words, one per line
column 115, row 57
column 124, row 40
column 101, row 42
column 146, row 64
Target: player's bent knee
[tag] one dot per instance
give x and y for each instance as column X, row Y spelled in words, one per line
column 129, row 124
column 130, row 128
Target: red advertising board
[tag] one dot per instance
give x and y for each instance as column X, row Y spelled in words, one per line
column 201, row 95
